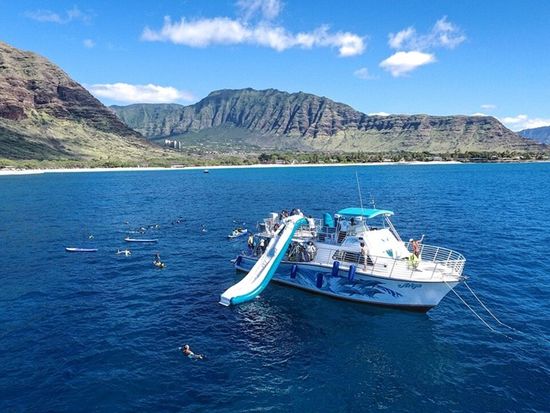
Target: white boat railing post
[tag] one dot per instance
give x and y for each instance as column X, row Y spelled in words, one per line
column 433, row 272
column 373, row 265
column 392, row 267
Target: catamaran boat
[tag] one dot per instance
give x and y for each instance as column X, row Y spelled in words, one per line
column 355, row 255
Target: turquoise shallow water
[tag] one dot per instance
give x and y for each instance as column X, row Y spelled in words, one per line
column 100, row 332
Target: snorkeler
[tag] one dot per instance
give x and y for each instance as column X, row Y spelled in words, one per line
column 187, row 352
column 157, row 262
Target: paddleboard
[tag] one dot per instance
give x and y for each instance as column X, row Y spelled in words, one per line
column 71, row 249
column 239, row 234
column 128, row 239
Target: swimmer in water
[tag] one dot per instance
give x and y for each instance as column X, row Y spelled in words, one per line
column 187, row 351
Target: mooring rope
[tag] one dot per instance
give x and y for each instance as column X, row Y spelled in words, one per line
column 486, row 309
column 474, row 312
column 535, row 338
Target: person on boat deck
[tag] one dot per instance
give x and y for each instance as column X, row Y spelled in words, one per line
column 262, row 245
column 250, row 243
column 344, row 225
column 310, row 251
column 311, row 224
column 187, row 351
column 415, row 247
column 364, row 254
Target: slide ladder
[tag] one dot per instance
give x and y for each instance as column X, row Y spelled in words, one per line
column 259, row 276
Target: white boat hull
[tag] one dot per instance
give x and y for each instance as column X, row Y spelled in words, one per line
column 412, row 295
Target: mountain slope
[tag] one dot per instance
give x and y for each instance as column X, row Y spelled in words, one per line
column 281, row 120
column 540, row 135
column 44, row 114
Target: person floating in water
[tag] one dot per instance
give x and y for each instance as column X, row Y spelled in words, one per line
column 157, row 262
column 186, row 350
column 124, row 252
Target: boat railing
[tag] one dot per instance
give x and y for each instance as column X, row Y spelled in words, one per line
column 446, row 262
column 441, row 256
column 269, row 225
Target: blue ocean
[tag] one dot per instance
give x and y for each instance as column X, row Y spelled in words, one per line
column 100, row 332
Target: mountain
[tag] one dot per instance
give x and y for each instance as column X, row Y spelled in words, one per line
column 540, row 135
column 45, row 115
column 271, row 119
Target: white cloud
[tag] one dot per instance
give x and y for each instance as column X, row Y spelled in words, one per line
column 379, row 114
column 266, row 9
column 48, row 16
column 127, row 93
column 401, row 63
column 443, row 34
column 363, row 73
column 520, row 122
column 488, row 106
column 396, row 40
column 226, row 31
column 88, row 43
column 412, row 48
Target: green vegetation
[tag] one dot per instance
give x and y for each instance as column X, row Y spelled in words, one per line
column 284, row 158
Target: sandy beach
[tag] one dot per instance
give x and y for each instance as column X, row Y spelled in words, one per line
column 191, row 168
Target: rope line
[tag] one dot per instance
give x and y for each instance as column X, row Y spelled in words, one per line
column 475, row 313
column 486, row 309
column 470, row 308
column 530, row 337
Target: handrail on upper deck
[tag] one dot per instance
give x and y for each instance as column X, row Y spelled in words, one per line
column 446, row 260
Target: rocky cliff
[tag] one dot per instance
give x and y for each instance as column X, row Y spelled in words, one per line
column 44, row 114
column 540, row 135
column 280, row 120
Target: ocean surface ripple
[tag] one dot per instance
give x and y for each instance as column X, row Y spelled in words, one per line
column 100, row 332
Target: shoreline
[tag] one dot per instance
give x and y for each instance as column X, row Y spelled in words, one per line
column 10, row 172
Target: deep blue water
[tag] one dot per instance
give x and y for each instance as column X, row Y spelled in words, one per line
column 100, row 332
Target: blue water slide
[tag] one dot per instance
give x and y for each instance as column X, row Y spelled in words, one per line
column 259, row 276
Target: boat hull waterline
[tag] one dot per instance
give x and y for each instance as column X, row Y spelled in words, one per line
column 412, row 295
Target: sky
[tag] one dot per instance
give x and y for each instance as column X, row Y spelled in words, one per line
column 443, row 57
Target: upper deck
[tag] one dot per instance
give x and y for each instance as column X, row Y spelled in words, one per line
column 388, row 256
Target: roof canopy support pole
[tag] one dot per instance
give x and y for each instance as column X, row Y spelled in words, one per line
column 392, row 229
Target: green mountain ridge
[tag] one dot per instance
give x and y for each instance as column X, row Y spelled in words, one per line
column 275, row 120
column 45, row 115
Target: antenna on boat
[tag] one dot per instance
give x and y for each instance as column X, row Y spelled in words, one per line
column 359, row 190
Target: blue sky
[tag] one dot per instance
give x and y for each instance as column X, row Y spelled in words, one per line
column 409, row 56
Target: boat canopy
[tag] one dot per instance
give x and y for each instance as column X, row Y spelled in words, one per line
column 364, row 212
